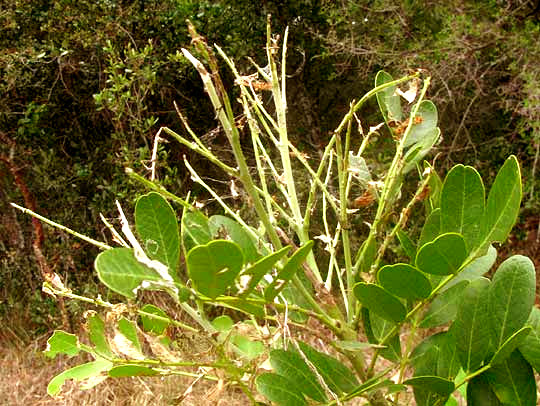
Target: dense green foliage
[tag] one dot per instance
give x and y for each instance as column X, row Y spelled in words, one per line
column 86, row 84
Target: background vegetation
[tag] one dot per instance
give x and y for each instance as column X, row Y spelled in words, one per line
column 86, row 85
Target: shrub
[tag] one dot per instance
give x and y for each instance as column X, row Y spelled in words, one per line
column 257, row 286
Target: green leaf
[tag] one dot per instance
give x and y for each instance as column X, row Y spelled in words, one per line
column 225, row 228
column 444, row 307
column 195, row 230
column 223, row 324
column 510, row 345
column 513, row 381
column 479, row 393
column 475, row 269
column 260, row 268
column 389, row 101
column 337, row 376
column 78, row 373
column 154, row 325
column 420, row 149
column 96, row 333
column 407, row 244
column 436, row 384
column 287, row 272
column 436, row 355
column 122, row 371
column 118, row 269
column 423, row 131
column 443, row 256
column 431, row 229
column 292, row 366
column 405, row 281
column 503, row 203
column 462, row 204
column 379, row 301
column 62, row 343
column 377, row 329
column 247, row 348
column 213, row 267
column 469, row 329
column 435, row 188
column 280, row 390
column 157, row 227
column 530, row 347
column 511, row 297
column 128, row 329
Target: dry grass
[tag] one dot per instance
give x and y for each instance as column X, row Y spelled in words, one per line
column 25, row 373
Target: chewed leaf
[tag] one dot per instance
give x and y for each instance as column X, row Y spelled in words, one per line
column 423, row 126
column 97, row 335
column 121, row 272
column 62, row 343
column 78, row 373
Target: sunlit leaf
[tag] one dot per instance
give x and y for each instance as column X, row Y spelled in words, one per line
column 151, row 324
column 157, row 227
column 225, row 228
column 78, row 373
column 118, row 269
column 213, row 267
column 122, row 371
column 62, row 343
column 96, row 333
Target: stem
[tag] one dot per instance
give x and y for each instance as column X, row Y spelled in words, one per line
column 342, row 164
column 404, row 216
column 389, row 191
column 48, row 288
column 158, row 188
column 97, row 243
